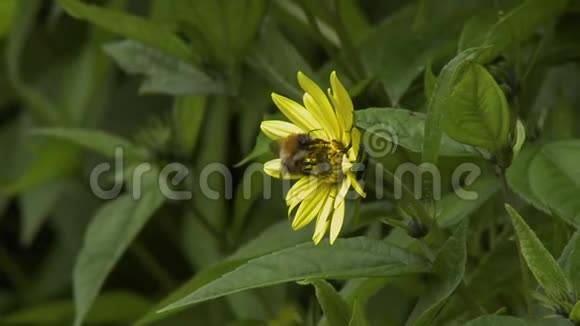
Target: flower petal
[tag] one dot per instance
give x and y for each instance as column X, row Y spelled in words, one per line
column 297, row 114
column 301, row 190
column 342, row 101
column 323, row 110
column 356, row 185
column 336, row 222
column 346, row 164
column 273, row 168
column 323, row 220
column 344, row 187
column 354, row 145
column 276, row 129
column 310, row 208
column 325, row 120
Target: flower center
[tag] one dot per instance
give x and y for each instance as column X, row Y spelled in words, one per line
column 324, row 160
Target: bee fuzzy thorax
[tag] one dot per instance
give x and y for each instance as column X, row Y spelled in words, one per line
column 300, row 154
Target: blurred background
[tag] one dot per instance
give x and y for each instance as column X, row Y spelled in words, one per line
column 190, row 81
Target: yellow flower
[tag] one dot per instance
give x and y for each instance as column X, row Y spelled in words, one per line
column 326, row 125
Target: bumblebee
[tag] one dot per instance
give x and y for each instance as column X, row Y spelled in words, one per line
column 302, row 154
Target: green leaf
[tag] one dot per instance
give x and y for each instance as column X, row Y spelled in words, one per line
column 493, row 320
column 518, row 176
column 477, row 112
column 110, row 233
column 335, row 309
column 570, row 261
column 439, row 102
column 357, row 292
column 188, row 113
column 193, row 232
column 52, row 161
column 257, row 102
column 165, row 74
column 299, row 18
column 23, row 23
column 68, row 220
column 449, row 268
column 517, row 26
column 354, row 18
column 455, row 208
column 262, row 147
column 403, row 44
column 575, row 313
column 96, row 140
column 87, row 82
column 362, row 289
column 277, row 60
column 475, row 29
column 498, row 268
column 130, row 26
column 356, row 257
column 542, row 265
column 276, row 237
column 214, row 146
column 556, row 100
column 36, row 204
column 429, row 81
column 555, row 179
column 247, row 196
column 400, row 127
column 7, row 13
column 226, row 27
column 200, row 279
column 110, row 307
column 358, row 316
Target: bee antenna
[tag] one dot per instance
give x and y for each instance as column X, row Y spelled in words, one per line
column 313, row 130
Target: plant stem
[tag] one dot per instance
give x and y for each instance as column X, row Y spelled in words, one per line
column 505, row 189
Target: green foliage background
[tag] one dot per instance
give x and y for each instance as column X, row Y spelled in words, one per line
column 492, row 83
